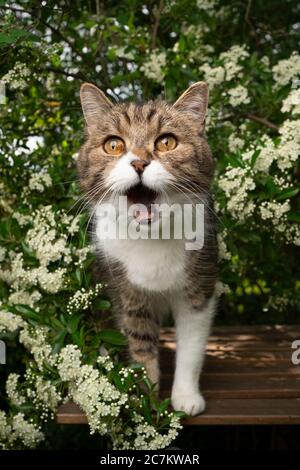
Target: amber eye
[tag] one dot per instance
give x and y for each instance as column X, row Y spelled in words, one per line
column 165, row 143
column 114, row 146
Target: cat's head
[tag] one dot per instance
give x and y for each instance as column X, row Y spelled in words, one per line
column 145, row 151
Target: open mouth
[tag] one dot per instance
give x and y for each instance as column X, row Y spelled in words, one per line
column 142, row 198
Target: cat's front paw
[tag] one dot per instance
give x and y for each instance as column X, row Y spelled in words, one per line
column 191, row 403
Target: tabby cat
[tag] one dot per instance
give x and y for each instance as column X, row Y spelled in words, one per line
column 153, row 153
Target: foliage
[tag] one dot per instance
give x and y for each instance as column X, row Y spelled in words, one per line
column 137, row 50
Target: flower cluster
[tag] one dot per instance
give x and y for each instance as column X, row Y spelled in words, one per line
column 83, row 298
column 18, row 76
column 238, row 95
column 287, row 70
column 237, row 183
column 18, row 431
column 154, row 66
column 110, row 411
column 231, row 66
column 292, row 102
column 39, row 181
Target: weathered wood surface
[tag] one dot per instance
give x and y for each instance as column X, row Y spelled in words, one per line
column 248, row 377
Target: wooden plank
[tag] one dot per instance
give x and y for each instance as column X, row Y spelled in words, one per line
column 257, row 329
column 221, row 412
column 70, row 413
column 248, row 377
column 248, row 365
column 268, row 411
column 244, row 385
column 265, row 331
column 232, row 363
column 167, row 355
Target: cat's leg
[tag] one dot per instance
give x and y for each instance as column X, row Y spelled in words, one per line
column 141, row 326
column 192, row 331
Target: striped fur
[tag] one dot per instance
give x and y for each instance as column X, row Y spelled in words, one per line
column 144, row 277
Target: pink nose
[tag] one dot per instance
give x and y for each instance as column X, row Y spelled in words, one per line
column 139, row 165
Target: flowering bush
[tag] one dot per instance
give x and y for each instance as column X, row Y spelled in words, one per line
column 130, row 49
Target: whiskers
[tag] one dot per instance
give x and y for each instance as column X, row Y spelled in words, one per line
column 194, row 194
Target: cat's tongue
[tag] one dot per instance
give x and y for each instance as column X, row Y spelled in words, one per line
column 143, row 214
column 142, row 197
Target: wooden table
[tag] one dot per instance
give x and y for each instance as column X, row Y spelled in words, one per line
column 248, row 378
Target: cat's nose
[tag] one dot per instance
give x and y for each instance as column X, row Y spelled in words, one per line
column 139, row 165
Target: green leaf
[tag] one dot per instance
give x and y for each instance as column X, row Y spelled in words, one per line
column 117, row 380
column 59, row 340
column 114, row 337
column 72, row 323
column 146, row 410
column 164, row 405
column 287, row 193
column 103, row 305
column 271, row 186
column 180, row 414
column 15, row 34
column 254, row 157
column 294, row 216
column 27, row 312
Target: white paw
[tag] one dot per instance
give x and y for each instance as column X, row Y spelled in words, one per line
column 191, row 403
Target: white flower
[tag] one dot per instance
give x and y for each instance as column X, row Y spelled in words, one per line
column 12, row 390
column 232, row 61
column 83, row 298
column 27, row 432
column 213, row 75
column 288, row 150
column 81, row 254
column 36, row 343
column 207, row 5
column 285, row 153
column 153, row 67
column 18, row 77
column 235, row 143
column 69, row 362
column 266, row 155
column 292, row 102
column 274, row 210
column 237, row 183
column 39, row 181
column 22, row 219
column 24, row 297
column 223, row 250
column 5, row 430
column 286, row 70
column 10, row 321
column 230, row 69
column 75, row 225
column 238, row 95
column 46, row 394
column 20, row 278
column 2, row 253
column 43, row 239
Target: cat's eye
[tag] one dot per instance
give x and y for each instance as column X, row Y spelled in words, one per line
column 114, row 146
column 165, row 143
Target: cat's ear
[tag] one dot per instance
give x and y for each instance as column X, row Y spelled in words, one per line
column 94, row 103
column 194, row 101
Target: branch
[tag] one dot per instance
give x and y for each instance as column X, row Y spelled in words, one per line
column 262, row 120
column 247, row 17
column 156, row 23
column 252, row 117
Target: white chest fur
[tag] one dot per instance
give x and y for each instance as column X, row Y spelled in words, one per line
column 155, row 265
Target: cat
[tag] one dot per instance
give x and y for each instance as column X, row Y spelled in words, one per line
column 154, row 152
